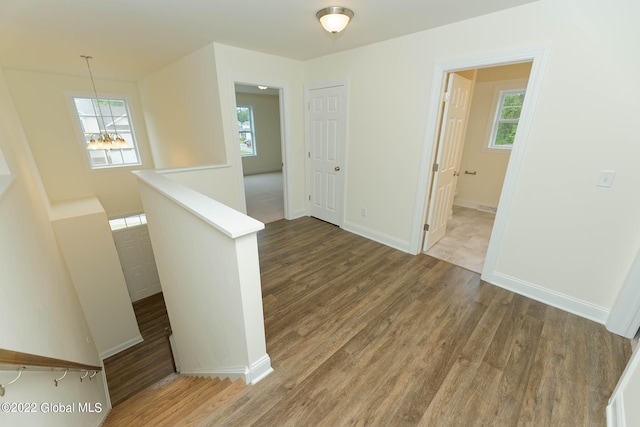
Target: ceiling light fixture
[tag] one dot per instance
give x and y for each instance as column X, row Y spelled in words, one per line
column 105, row 140
column 334, row 18
column 263, row 87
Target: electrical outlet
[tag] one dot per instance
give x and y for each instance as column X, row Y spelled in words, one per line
column 363, row 211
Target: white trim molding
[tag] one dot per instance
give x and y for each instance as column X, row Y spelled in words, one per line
column 539, row 55
column 285, row 133
column 376, row 236
column 617, row 415
column 555, row 299
column 121, row 347
column 249, row 374
column 624, row 318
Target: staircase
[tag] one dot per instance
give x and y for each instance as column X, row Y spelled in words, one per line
column 175, row 400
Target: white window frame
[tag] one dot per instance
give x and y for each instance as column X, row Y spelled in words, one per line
column 70, row 97
column 497, row 120
column 129, row 221
column 253, row 131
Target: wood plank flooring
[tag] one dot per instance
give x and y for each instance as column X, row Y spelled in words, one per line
column 146, row 363
column 361, row 334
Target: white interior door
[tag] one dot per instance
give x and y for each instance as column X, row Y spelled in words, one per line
column 449, row 153
column 326, row 152
column 137, row 260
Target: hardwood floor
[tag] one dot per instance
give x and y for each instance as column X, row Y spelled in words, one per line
column 362, row 334
column 146, row 363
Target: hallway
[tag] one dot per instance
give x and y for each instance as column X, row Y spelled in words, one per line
column 452, row 350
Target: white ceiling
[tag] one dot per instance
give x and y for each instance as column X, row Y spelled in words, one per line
column 131, row 38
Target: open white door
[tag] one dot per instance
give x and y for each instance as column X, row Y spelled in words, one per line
column 449, row 153
column 326, row 131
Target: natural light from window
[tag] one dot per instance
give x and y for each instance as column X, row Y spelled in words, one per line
column 127, row 222
column 506, row 119
column 246, row 130
column 109, row 116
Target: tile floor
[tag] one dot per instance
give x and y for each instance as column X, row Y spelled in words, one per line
column 467, row 239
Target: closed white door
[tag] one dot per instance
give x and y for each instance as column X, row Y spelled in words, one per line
column 137, row 261
column 326, row 122
column 449, row 154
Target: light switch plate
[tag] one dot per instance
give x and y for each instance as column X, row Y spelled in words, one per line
column 605, row 179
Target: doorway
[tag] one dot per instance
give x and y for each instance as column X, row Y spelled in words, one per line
column 258, row 109
column 477, row 174
column 538, row 55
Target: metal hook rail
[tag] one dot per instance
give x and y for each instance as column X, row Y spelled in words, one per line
column 66, row 371
column 2, row 386
column 11, row 360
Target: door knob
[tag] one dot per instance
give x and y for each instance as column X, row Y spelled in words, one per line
column 337, row 168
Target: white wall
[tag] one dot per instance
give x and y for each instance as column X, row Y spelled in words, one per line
column 490, row 166
column 266, row 116
column 210, row 181
column 182, row 112
column 57, row 147
column 82, row 230
column 276, row 72
column 210, row 275
column 563, row 234
column 39, row 308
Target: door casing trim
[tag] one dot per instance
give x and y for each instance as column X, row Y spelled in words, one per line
column 538, row 55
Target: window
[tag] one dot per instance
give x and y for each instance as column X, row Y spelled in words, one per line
column 506, row 120
column 246, row 130
column 126, row 222
column 109, row 116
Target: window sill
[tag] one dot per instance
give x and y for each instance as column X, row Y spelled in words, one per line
column 506, row 150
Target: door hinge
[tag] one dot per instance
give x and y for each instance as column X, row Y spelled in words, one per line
column 447, row 96
column 309, row 154
column 435, row 167
column 309, row 197
column 426, row 227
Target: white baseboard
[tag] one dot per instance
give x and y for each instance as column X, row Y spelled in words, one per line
column 615, row 412
column 250, row 375
column 121, row 347
column 475, row 205
column 108, row 405
column 298, row 214
column 260, row 369
column 555, row 299
column 619, row 414
column 402, row 245
column 102, row 419
column 264, row 170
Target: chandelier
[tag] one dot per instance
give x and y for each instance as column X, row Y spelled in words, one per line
column 106, row 140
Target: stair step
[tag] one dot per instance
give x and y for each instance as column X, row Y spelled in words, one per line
column 171, row 401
